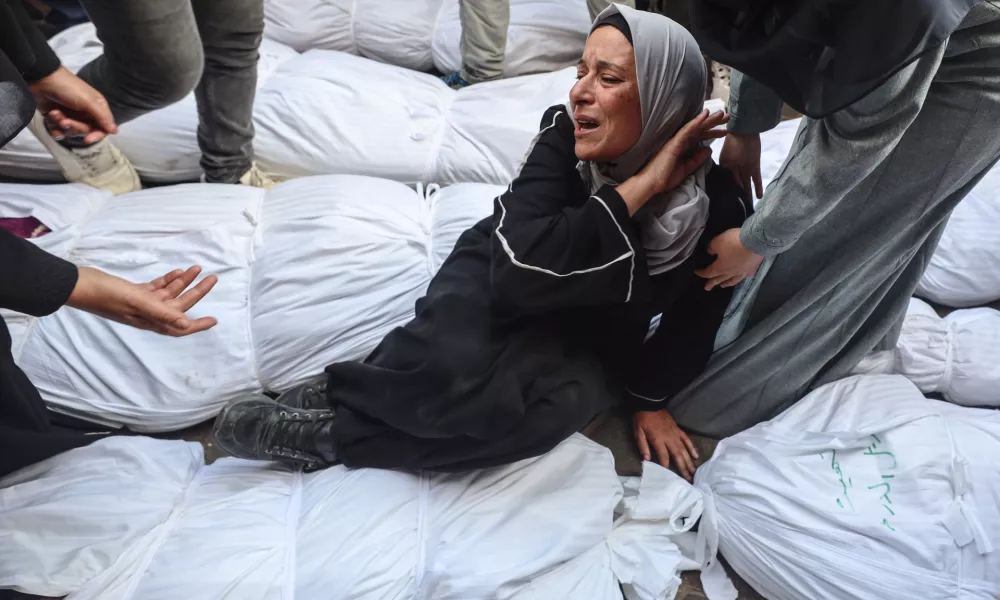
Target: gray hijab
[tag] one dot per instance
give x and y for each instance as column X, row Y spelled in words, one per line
column 672, row 76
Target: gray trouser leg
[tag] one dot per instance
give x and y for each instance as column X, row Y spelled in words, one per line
column 596, row 7
column 155, row 52
column 231, row 31
column 484, row 38
column 152, row 54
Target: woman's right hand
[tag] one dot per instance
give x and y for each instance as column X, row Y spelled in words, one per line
column 675, row 162
column 684, row 153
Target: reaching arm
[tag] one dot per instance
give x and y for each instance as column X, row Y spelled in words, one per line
column 753, row 106
column 32, row 281
column 23, row 44
column 836, row 154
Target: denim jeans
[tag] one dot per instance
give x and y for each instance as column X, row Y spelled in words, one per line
column 157, row 51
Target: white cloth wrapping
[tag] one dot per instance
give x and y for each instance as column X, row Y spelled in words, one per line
column 162, row 144
column 315, row 271
column 90, row 367
column 344, row 259
column 490, row 127
column 327, row 112
column 61, row 208
column 543, row 35
column 142, row 519
column 958, row 355
column 864, row 489
column 965, row 268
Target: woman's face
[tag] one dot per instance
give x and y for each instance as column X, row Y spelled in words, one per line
column 605, row 98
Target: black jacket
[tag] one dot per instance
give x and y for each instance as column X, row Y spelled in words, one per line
column 25, row 56
column 534, row 324
column 822, row 55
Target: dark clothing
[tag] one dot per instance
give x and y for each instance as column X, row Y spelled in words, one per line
column 24, row 46
column 35, row 282
column 533, row 325
column 157, row 51
column 24, row 55
column 31, row 280
column 822, row 56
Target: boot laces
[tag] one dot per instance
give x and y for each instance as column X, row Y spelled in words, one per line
column 295, row 436
column 315, row 395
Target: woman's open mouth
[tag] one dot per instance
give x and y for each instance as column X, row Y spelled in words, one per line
column 585, row 126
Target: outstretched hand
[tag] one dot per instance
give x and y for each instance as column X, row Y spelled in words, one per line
column 657, row 432
column 159, row 305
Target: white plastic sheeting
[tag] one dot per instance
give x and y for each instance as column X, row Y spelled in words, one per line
column 965, row 268
column 315, row 271
column 540, row 528
column 162, row 145
column 958, row 355
column 864, row 489
column 543, row 35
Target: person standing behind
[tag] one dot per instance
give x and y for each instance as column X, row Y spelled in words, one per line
column 903, row 119
column 155, row 53
column 484, row 38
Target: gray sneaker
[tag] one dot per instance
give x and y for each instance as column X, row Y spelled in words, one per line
column 258, row 428
column 100, row 165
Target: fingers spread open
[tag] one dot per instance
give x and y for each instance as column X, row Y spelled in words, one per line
column 181, row 282
column 161, row 282
column 194, row 326
column 194, row 295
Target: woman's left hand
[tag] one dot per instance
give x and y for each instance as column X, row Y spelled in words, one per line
column 657, row 431
column 733, row 262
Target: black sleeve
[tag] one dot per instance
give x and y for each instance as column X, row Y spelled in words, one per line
column 23, row 44
column 680, row 348
column 32, row 281
column 555, row 246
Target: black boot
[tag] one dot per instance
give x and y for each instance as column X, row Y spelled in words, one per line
column 258, row 428
column 310, row 395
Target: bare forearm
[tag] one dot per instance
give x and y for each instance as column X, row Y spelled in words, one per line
column 636, row 191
